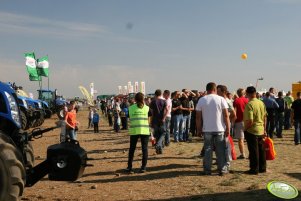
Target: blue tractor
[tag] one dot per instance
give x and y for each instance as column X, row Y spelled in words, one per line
column 65, row 161
column 56, row 103
column 31, row 111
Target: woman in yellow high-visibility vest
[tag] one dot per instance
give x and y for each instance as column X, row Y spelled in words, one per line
column 139, row 128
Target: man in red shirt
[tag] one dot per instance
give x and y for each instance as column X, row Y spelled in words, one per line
column 239, row 106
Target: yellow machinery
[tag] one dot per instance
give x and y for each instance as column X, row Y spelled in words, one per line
column 296, row 87
column 22, row 93
column 86, row 95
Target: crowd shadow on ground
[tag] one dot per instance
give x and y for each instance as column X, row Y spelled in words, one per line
column 153, row 173
column 250, row 195
column 121, row 159
column 294, row 175
column 106, row 150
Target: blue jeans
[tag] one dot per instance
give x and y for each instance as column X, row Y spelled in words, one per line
column 187, row 128
column 297, row 124
column 177, row 130
column 167, row 130
column 279, row 123
column 159, row 133
column 71, row 133
column 116, row 125
column 217, row 139
column 183, row 128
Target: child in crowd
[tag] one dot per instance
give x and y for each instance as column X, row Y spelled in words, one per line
column 95, row 120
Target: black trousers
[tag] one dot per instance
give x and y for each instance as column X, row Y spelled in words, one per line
column 95, row 127
column 133, row 142
column 193, row 123
column 124, row 123
column 256, row 151
column 270, row 127
column 110, row 120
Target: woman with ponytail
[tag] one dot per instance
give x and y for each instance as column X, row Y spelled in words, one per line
column 139, row 128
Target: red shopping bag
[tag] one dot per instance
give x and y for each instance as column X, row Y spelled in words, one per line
column 269, row 149
column 233, row 153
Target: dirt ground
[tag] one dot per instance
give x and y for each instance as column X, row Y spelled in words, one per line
column 174, row 175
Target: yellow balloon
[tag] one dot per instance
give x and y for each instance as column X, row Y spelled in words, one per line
column 244, row 56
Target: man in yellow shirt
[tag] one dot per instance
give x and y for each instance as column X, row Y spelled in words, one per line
column 254, row 122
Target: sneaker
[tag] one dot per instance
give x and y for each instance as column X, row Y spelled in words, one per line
column 252, row 172
column 223, row 172
column 205, row 173
column 241, row 157
column 142, row 170
column 159, row 151
column 129, row 171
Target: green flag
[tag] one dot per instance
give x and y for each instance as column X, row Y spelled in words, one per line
column 43, row 66
column 31, row 64
column 34, row 78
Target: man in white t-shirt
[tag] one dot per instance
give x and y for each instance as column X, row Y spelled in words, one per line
column 212, row 120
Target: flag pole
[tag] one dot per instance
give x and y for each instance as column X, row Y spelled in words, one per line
column 41, row 86
column 48, row 73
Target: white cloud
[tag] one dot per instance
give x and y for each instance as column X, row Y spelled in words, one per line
column 15, row 23
column 23, row 24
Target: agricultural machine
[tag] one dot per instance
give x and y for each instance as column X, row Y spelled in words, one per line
column 56, row 103
column 65, row 161
column 31, row 112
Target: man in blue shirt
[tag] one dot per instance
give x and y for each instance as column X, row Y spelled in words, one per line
column 271, row 107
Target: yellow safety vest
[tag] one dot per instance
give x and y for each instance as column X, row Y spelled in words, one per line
column 139, row 120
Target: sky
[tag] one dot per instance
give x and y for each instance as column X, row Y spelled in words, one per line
column 168, row 44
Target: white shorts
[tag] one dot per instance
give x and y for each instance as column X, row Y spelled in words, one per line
column 239, row 130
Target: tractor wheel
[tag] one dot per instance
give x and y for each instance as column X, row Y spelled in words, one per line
column 42, row 119
column 30, row 124
column 60, row 113
column 48, row 113
column 28, row 149
column 12, row 172
column 23, row 120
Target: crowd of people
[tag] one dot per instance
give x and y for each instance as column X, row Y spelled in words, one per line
column 213, row 115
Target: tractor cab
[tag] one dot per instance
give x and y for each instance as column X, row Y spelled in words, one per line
column 47, row 95
column 55, row 103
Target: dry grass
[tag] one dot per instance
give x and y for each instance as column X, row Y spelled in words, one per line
column 175, row 175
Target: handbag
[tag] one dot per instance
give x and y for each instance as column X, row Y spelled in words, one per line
column 270, row 152
column 230, row 149
column 233, row 152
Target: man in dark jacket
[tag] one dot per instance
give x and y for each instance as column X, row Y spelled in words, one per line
column 159, row 112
